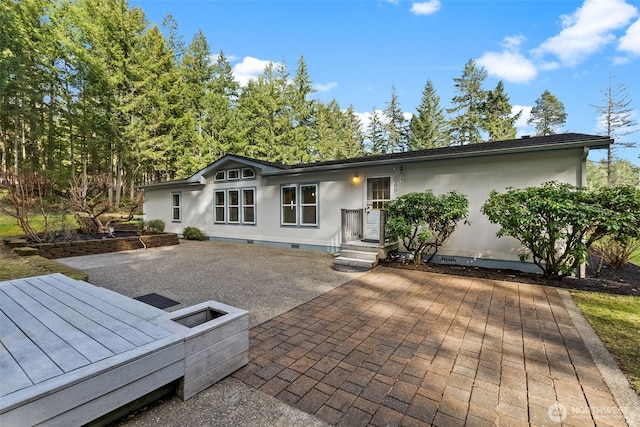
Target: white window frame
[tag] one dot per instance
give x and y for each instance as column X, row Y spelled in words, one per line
column 292, row 205
column 226, row 208
column 236, row 173
column 246, row 206
column 224, row 176
column 230, row 207
column 176, row 207
column 306, row 205
column 223, row 206
column 248, row 173
column 298, row 205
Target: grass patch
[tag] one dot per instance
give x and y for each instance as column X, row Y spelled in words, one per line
column 16, row 267
column 616, row 320
column 9, row 226
column 635, row 257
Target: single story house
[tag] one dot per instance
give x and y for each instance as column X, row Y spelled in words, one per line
column 330, row 205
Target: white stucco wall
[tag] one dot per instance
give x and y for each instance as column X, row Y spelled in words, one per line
column 474, row 177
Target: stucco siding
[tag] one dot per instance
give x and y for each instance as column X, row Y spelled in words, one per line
column 475, row 177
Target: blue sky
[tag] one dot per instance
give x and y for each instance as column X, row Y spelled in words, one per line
column 356, row 50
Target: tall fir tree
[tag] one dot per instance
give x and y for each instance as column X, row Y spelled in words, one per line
column 497, row 118
column 375, row 133
column 219, row 103
column 302, row 114
column 428, row 127
column 354, row 137
column 197, row 74
column 396, row 126
column 466, row 124
column 547, row 115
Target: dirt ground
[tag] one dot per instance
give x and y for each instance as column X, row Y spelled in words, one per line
column 623, row 281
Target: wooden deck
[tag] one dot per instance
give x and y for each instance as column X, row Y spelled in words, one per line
column 71, row 352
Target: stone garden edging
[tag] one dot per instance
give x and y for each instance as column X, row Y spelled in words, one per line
column 97, row 246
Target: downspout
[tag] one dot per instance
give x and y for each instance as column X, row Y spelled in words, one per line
column 581, row 271
column 582, row 177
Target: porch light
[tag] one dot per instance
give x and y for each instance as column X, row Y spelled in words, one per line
column 356, row 179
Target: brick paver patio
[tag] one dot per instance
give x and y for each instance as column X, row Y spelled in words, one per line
column 398, row 347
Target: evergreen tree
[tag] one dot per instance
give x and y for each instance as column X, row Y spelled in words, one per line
column 467, row 107
column 620, row 172
column 376, row 134
column 264, row 120
column 353, row 135
column 220, row 102
column 156, row 151
column 616, row 119
column 497, row 119
column 547, row 115
column 302, row 114
column 328, row 132
column 396, row 127
column 338, row 134
column 428, row 127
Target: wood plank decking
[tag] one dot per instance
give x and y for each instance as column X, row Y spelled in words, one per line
column 71, row 352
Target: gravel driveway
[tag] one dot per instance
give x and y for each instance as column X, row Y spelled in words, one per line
column 264, row 280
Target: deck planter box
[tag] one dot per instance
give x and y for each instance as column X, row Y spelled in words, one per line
column 216, row 343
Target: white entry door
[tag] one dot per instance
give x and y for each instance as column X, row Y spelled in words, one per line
column 378, row 194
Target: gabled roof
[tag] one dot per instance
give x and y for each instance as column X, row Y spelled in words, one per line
column 198, row 178
column 525, row 144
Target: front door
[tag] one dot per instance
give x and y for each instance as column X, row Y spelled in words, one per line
column 378, row 194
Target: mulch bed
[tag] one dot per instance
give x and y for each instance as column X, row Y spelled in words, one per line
column 623, row 281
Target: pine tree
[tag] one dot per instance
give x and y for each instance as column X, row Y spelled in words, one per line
column 497, row 118
column 376, row 134
column 353, row 135
column 616, row 119
column 302, row 113
column 547, row 115
column 220, row 102
column 428, row 127
column 396, row 127
column 465, row 126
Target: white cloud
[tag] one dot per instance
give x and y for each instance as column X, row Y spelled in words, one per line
column 521, row 124
column 425, row 8
column 249, row 68
column 320, row 87
column 510, row 64
column 587, row 30
column 630, row 42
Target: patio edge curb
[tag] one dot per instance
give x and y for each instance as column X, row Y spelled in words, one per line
column 625, row 396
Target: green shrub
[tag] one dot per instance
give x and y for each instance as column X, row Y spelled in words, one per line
column 155, row 225
column 558, row 223
column 424, row 221
column 193, row 233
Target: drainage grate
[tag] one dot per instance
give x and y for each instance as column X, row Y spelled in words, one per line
column 157, row 301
